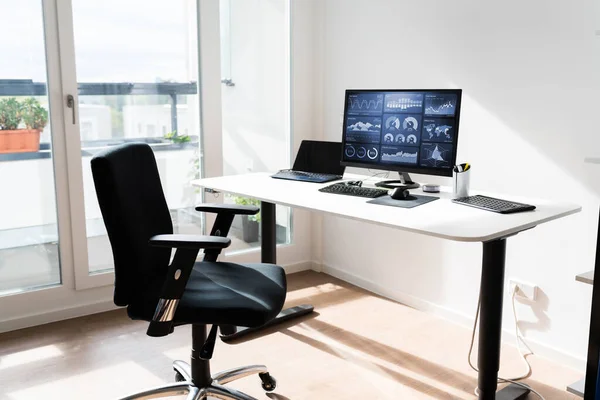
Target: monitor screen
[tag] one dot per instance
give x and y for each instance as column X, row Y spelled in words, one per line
column 402, row 130
column 319, row 157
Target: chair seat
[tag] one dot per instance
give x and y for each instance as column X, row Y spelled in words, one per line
column 225, row 293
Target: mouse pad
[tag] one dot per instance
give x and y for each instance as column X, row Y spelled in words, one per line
column 412, row 201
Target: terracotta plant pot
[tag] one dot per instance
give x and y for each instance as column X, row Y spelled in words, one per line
column 19, row 141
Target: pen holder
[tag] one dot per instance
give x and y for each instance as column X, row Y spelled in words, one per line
column 460, row 186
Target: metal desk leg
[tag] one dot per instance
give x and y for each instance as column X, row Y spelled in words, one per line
column 268, row 244
column 593, row 356
column 490, row 325
column 268, row 253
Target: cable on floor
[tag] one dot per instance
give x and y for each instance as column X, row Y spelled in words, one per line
column 519, row 339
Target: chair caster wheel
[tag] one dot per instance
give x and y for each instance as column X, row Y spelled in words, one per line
column 179, row 377
column 268, row 382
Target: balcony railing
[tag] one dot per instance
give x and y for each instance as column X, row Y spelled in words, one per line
column 26, row 87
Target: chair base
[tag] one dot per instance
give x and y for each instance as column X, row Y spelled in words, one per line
column 215, row 389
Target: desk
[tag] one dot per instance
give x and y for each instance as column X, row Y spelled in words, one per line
column 441, row 218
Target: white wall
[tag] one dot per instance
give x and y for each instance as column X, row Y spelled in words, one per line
column 529, row 74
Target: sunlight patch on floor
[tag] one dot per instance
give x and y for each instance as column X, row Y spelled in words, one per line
column 381, row 374
column 313, row 291
column 28, row 356
column 105, row 383
column 180, row 353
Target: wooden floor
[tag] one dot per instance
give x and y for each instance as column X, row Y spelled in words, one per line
column 356, row 346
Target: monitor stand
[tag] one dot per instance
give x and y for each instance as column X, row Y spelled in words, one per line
column 404, row 182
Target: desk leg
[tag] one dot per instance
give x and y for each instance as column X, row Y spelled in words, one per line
column 268, row 244
column 591, row 375
column 268, row 252
column 490, row 325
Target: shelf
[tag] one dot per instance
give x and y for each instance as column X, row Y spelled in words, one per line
column 587, row 277
column 577, row 388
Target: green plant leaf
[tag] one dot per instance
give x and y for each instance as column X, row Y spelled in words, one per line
column 34, row 115
column 175, row 138
column 246, row 201
column 11, row 112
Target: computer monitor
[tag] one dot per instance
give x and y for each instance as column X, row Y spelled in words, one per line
column 402, row 130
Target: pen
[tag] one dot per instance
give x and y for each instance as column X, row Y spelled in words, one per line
column 462, row 167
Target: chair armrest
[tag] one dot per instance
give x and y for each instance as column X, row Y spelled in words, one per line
column 189, row 241
column 234, row 209
column 178, row 273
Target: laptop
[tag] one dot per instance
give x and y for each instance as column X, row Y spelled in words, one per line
column 316, row 161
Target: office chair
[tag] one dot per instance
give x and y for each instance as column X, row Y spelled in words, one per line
column 184, row 291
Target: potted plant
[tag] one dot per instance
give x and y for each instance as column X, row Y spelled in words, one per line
column 21, row 124
column 250, row 223
column 180, row 140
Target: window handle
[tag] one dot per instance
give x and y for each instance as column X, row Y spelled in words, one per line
column 71, row 105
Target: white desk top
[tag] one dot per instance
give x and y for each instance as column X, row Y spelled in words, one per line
column 440, row 218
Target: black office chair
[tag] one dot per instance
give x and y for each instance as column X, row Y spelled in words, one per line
column 183, row 291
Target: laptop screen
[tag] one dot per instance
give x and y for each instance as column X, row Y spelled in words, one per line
column 319, row 157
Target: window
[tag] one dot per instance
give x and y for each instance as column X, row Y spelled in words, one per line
column 29, row 243
column 256, row 101
column 139, row 81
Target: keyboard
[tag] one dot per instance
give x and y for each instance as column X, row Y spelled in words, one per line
column 306, row 176
column 358, row 191
column 493, row 204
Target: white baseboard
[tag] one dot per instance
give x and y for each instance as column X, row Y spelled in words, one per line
column 540, row 349
column 94, row 308
column 298, row 267
column 56, row 315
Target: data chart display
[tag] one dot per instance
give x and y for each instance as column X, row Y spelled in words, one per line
column 402, row 128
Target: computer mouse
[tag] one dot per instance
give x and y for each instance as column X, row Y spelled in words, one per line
column 400, row 194
column 353, row 183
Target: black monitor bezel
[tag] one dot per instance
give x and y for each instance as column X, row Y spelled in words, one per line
column 386, row 167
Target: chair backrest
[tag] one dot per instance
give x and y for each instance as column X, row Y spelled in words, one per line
column 134, row 209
